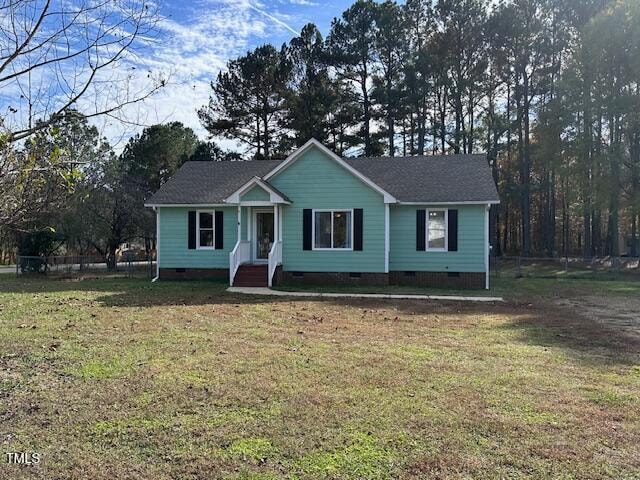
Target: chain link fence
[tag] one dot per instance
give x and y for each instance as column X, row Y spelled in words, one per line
column 130, row 266
column 568, row 267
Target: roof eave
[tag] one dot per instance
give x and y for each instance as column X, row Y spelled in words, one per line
column 460, row 202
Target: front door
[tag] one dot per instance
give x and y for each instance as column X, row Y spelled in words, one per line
column 264, row 235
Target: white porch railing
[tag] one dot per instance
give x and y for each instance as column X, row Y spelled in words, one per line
column 275, row 259
column 240, row 254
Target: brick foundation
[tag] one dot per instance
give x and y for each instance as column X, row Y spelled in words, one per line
column 334, row 278
column 438, row 279
column 414, row 279
column 193, row 273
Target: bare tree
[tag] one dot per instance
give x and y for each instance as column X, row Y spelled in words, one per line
column 57, row 55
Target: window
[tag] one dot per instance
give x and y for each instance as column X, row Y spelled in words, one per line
column 332, row 229
column 437, row 230
column 204, row 227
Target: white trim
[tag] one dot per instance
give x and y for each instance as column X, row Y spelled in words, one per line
column 276, row 222
column 387, row 228
column 213, row 230
column 257, row 203
column 155, row 279
column 388, row 198
column 486, row 247
column 446, row 230
column 197, row 205
column 249, row 223
column 239, row 223
column 185, row 205
column 313, row 229
column 496, row 202
column 254, row 240
column 274, row 197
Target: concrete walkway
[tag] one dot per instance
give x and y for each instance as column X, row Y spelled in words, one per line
column 281, row 293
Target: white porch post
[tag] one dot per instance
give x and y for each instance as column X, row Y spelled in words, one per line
column 276, row 222
column 249, row 223
column 239, row 222
column 386, row 237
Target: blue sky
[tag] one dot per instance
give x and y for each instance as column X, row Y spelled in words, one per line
column 195, row 40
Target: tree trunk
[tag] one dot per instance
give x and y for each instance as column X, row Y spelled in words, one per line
column 458, row 120
column 267, row 140
column 614, row 209
column 526, row 166
column 443, row 119
column 366, row 113
column 111, row 256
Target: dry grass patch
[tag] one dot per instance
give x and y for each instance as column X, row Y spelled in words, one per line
column 119, row 378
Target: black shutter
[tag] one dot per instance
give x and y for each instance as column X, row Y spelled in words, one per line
column 357, row 229
column 453, row 231
column 421, row 232
column 192, row 230
column 306, row 228
column 219, row 229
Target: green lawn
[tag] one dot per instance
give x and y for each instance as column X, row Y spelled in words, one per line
column 112, row 378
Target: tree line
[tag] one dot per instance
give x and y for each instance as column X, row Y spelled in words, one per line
column 66, row 190
column 549, row 89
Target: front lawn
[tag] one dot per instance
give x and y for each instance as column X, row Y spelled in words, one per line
column 120, row 378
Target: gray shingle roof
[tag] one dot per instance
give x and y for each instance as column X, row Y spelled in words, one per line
column 209, row 182
column 427, row 179
column 438, row 178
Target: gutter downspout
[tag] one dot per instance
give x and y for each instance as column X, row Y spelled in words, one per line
column 155, row 279
column 486, row 246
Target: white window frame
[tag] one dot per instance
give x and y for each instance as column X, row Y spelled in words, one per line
column 446, row 230
column 313, row 229
column 213, row 229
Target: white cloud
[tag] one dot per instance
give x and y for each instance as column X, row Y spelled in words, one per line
column 191, row 50
column 306, row 3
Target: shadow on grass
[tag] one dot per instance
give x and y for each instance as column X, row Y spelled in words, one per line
column 584, row 338
column 542, row 325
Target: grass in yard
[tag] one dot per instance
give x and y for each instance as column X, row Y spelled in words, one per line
column 120, row 378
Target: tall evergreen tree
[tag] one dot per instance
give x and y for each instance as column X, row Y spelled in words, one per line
column 352, row 50
column 249, row 101
column 391, row 54
column 312, row 94
column 154, row 155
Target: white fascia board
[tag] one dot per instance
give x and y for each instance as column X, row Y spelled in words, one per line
column 274, row 197
column 185, row 205
column 484, row 202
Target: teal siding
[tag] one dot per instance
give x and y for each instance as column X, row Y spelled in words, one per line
column 244, row 219
column 471, row 247
column 257, row 193
column 174, row 251
column 316, row 181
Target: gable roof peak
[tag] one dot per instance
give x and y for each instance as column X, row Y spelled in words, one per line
column 312, row 142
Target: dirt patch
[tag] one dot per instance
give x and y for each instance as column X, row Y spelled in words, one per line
column 620, row 313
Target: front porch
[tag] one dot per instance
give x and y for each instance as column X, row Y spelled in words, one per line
column 258, row 251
